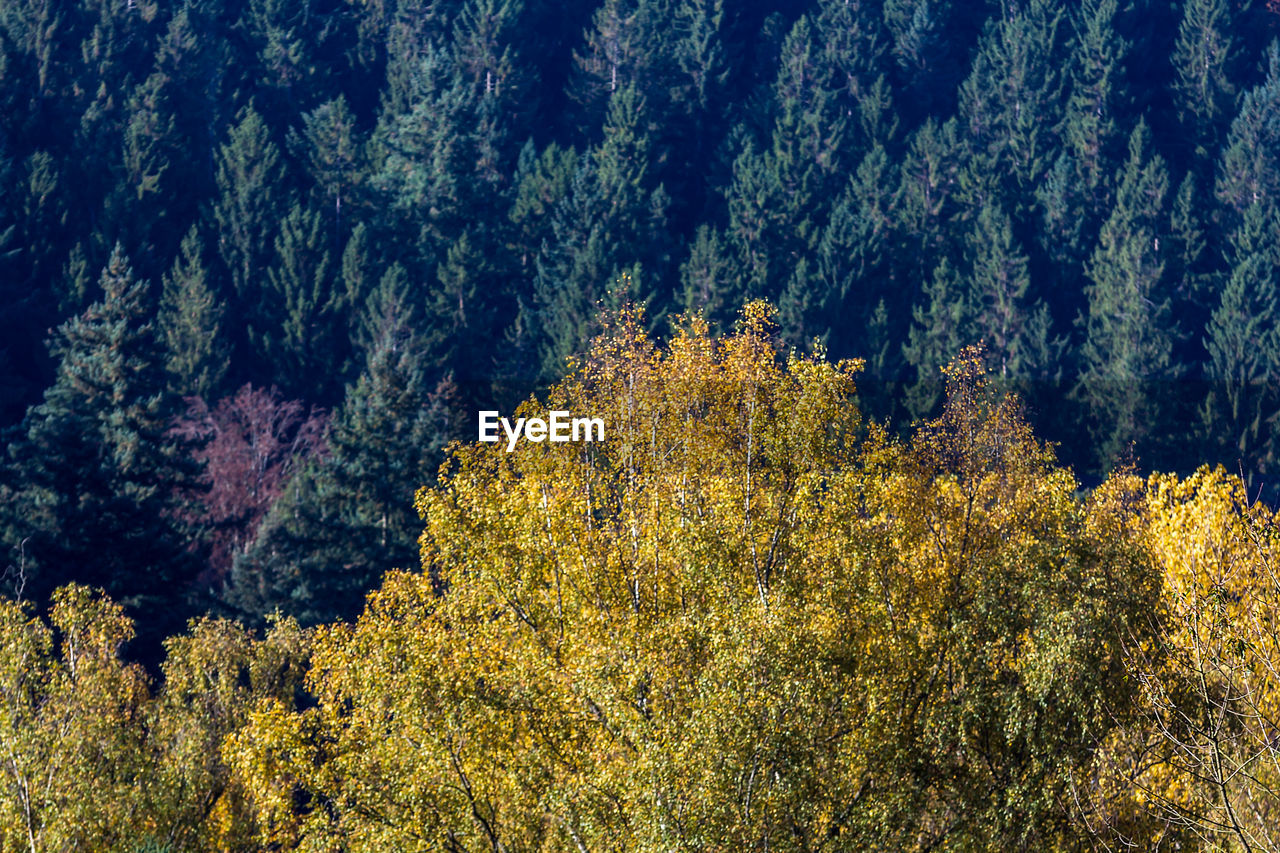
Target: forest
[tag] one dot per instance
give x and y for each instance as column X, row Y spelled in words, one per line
column 1005, row 271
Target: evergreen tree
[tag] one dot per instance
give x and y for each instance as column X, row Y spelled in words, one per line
column 252, row 199
column 708, row 286
column 542, row 181
column 1013, row 96
column 190, row 324
column 195, row 65
column 143, row 182
column 780, row 196
column 1013, row 325
column 1097, row 95
column 1243, row 341
column 345, row 520
column 332, row 151
column 610, row 223
column 298, row 335
column 833, row 293
column 1249, row 169
column 855, row 51
column 929, row 47
column 485, row 35
column 462, row 318
column 1203, row 60
column 97, row 477
column 287, row 38
column 422, row 156
column 1127, row 368
column 1192, row 280
column 925, row 204
column 941, row 329
column 622, row 51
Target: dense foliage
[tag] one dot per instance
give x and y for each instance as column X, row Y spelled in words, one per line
column 261, row 260
column 1088, row 189
column 742, row 621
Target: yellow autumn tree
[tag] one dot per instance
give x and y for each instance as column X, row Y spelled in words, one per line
column 72, row 749
column 1201, row 765
column 737, row 623
column 91, row 760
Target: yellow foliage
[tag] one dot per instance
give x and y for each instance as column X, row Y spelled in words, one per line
column 730, row 625
column 1202, row 762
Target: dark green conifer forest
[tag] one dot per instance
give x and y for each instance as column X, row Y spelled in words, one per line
column 261, row 260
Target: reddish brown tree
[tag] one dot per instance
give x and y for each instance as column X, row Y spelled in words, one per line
column 250, row 443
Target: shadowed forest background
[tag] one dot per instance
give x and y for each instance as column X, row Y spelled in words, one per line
column 261, row 261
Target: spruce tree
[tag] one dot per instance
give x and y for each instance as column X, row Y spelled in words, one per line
column 1249, row 169
column 1013, row 96
column 190, row 324
column 941, row 329
column 1008, row 319
column 1188, row 270
column 97, row 476
column 1204, row 57
column 610, row 223
column 298, row 335
column 621, row 50
column 855, row 51
column 925, row 202
column 332, row 151
column 708, row 286
column 423, row 156
column 1243, row 342
column 1127, row 366
column 252, row 199
column 781, row 193
column 345, row 520
column 1097, row 94
column 485, row 37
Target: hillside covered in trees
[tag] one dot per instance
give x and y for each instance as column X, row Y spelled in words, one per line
column 322, row 234
column 261, row 261
column 747, row 620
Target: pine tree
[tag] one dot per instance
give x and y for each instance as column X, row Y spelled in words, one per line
column 1013, row 96
column 609, row 223
column 190, row 324
column 421, row 168
column 941, row 329
column 925, row 204
column 332, row 151
column 1127, row 365
column 780, row 195
column 1097, row 94
column 484, row 38
column 855, row 51
column 621, row 51
column 1007, row 318
column 708, row 285
column 1249, row 169
column 97, row 475
column 462, row 317
column 298, row 334
column 345, row 520
column 252, row 199
column 1204, row 57
column 1243, row 342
